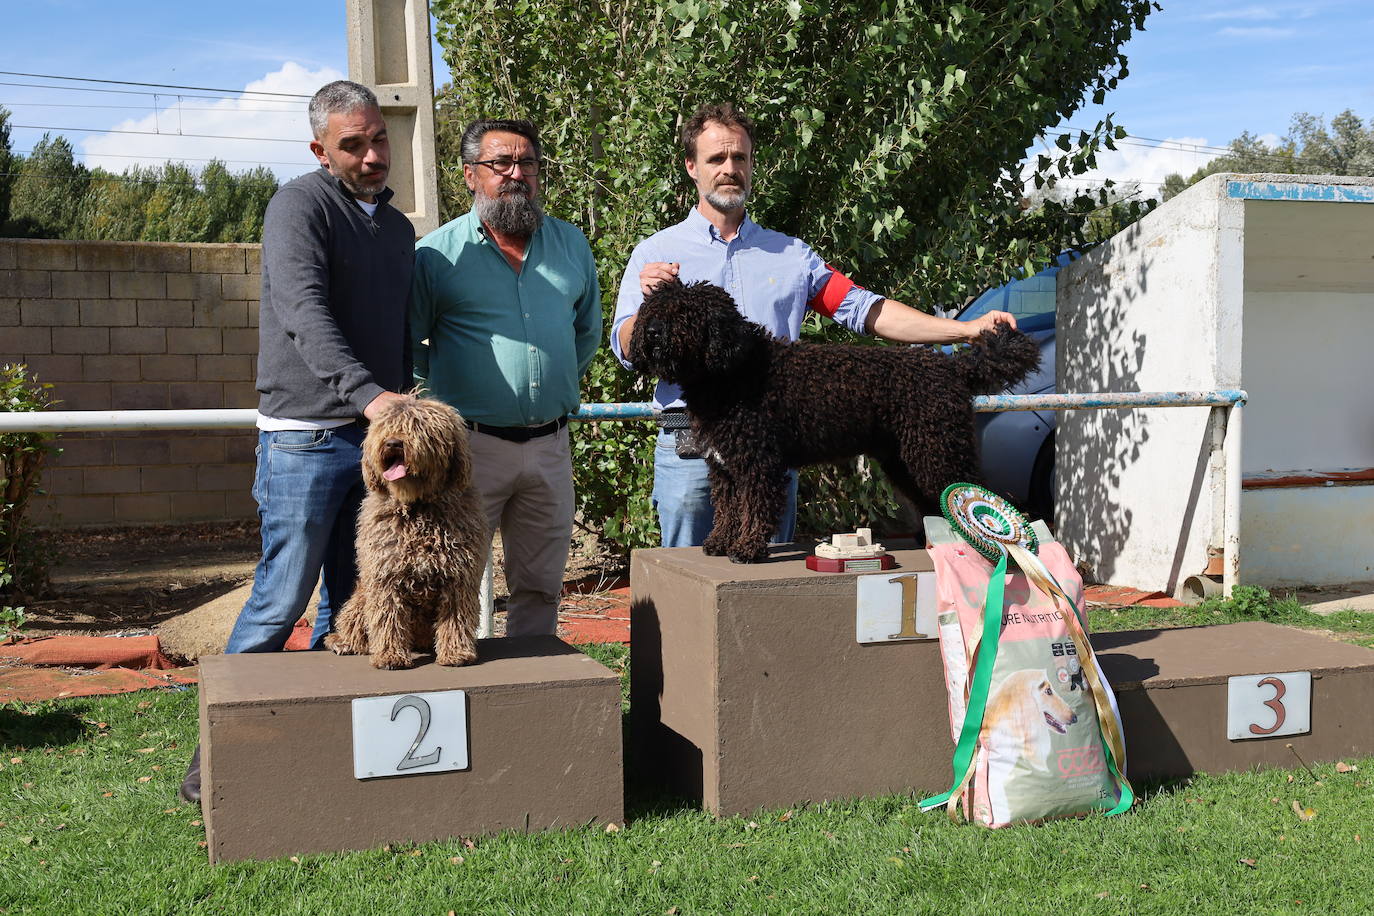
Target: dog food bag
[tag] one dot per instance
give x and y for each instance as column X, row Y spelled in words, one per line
column 1036, row 748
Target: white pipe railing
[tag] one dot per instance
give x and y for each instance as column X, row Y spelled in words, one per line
column 54, row 421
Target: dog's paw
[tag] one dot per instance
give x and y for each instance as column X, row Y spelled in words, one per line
column 335, row 644
column 457, row 659
column 714, row 546
column 748, row 556
column 393, row 662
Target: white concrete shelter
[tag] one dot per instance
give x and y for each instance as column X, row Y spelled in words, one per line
column 1258, row 282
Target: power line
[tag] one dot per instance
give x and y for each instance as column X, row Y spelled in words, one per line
column 178, row 106
column 86, row 79
column 150, row 133
column 29, row 152
column 127, row 91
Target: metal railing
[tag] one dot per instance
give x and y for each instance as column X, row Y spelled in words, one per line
column 1231, row 399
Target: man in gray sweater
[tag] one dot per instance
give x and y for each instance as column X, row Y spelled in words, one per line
column 332, row 349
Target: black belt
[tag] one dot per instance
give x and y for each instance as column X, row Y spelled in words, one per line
column 674, row 418
column 518, row 433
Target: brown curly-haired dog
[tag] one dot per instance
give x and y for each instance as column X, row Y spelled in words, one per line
column 422, row 542
column 760, row 406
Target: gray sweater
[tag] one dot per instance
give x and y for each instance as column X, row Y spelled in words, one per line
column 335, row 293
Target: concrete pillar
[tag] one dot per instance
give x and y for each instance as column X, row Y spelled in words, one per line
column 389, row 52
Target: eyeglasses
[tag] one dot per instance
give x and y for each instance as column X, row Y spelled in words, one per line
column 503, row 164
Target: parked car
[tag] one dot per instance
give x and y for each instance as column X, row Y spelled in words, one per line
column 1018, row 445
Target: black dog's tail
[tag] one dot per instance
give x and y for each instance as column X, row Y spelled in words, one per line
column 998, row 359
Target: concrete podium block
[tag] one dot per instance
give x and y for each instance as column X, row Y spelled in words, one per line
column 749, row 689
column 544, row 745
column 1172, row 685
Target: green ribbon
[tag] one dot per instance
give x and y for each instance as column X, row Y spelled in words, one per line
column 978, row 692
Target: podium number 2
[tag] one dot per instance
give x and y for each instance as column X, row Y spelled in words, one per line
column 419, row 705
column 389, row 733
column 1275, row 703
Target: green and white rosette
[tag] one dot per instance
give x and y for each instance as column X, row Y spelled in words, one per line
column 994, row 528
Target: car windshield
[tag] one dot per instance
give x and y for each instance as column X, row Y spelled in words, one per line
column 1030, row 300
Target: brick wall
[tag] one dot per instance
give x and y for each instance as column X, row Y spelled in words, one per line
column 134, row 326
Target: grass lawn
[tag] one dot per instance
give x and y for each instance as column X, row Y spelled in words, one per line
column 91, row 824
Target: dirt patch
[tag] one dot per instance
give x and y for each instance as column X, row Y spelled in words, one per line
column 187, row 583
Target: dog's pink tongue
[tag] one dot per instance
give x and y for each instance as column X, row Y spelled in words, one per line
column 395, row 472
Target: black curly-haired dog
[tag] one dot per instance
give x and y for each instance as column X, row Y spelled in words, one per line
column 760, row 405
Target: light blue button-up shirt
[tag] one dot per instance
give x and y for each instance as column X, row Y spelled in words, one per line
column 505, row 349
column 772, row 277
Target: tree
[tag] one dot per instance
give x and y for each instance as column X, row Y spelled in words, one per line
column 1308, row 148
column 891, row 137
column 8, row 164
column 113, row 205
column 47, row 194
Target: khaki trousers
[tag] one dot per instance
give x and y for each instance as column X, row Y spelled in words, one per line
column 527, row 493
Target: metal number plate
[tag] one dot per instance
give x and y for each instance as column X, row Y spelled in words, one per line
column 410, row 733
column 895, row 607
column 1268, row 705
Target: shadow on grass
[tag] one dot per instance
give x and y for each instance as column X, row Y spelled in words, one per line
column 40, row 725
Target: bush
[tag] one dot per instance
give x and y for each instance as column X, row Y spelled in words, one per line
column 23, row 562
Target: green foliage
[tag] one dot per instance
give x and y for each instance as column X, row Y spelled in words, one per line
column 23, row 562
column 1309, row 148
column 56, row 197
column 12, row 619
column 48, row 191
column 890, row 137
column 8, row 164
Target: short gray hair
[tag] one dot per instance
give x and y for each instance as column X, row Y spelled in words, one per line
column 338, row 97
column 471, row 145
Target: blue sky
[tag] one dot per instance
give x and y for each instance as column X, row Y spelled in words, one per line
column 1202, row 73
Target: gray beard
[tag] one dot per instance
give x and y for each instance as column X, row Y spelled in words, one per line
column 514, row 211
column 727, row 201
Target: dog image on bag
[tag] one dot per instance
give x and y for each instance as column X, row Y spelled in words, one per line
column 422, row 542
column 760, row 406
column 1022, row 715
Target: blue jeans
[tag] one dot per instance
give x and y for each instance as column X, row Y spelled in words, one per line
column 308, row 486
column 682, row 498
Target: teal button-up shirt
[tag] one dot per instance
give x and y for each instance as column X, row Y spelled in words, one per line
column 505, row 349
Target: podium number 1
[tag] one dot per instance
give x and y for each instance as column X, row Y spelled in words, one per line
column 410, row 734
column 1268, row 705
column 908, row 585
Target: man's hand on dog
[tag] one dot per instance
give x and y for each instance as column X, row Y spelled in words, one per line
column 656, row 272
column 374, row 406
column 989, row 321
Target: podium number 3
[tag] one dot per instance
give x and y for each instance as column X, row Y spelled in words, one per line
column 422, row 707
column 1276, row 704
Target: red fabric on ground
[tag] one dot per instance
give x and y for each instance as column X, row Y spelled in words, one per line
column 598, row 617
column 29, row 685
column 299, row 640
column 1120, row 596
column 88, row 652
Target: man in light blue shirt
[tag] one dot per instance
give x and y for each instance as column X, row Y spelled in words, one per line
column 505, row 319
column 773, row 278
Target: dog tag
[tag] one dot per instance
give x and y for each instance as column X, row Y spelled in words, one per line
column 409, row 734
column 893, row 608
column 1268, row 705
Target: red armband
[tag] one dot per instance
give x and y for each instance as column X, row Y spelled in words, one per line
column 827, row 301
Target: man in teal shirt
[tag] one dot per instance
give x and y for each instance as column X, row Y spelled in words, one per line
column 505, row 319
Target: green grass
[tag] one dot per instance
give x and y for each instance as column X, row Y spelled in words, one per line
column 1247, row 603
column 83, row 833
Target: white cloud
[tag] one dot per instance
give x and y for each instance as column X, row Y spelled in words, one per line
column 1264, row 33
column 1250, row 13
column 168, row 133
column 1136, row 162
